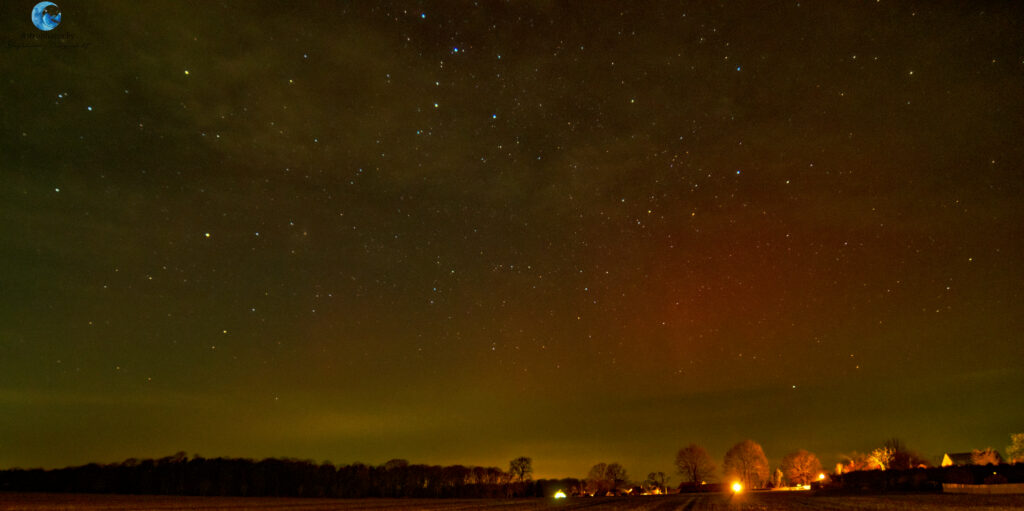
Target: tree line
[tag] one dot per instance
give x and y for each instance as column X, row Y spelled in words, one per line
column 746, row 463
column 274, row 477
column 892, row 465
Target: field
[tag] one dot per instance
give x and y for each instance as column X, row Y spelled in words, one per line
column 751, row 501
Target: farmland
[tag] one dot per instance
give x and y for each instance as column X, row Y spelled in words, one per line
column 752, row 501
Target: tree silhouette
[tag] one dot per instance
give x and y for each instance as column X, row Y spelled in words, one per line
column 694, row 464
column 747, row 463
column 596, row 482
column 857, row 461
column 1015, row 451
column 617, row 475
column 882, row 457
column 521, row 468
column 901, row 458
column 801, row 467
column 657, row 480
column 181, row 475
column 605, row 477
column 986, row 456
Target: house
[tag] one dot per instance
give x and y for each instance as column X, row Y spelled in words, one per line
column 956, row 459
column 976, row 457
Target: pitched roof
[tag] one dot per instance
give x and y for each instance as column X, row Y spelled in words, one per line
column 960, row 458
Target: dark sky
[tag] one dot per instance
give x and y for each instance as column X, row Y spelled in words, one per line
column 461, row 233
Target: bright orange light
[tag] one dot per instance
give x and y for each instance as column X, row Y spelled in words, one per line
column 737, row 487
column 559, row 494
column 821, row 477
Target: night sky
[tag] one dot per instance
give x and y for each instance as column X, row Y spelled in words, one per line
column 465, row 232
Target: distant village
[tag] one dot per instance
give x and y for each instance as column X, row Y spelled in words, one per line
column 890, row 467
column 744, row 468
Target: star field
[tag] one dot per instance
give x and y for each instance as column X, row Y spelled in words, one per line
column 460, row 233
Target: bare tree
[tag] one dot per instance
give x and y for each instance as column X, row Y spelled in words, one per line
column 882, row 457
column 658, row 480
column 496, row 476
column 857, row 461
column 617, row 475
column 902, row 457
column 478, row 475
column 521, row 468
column 801, row 467
column 596, row 482
column 746, row 462
column 694, row 464
column 986, row 456
column 604, row 478
column 1015, row 451
column 455, row 475
column 894, row 444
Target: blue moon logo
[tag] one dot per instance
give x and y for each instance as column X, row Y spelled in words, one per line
column 46, row 16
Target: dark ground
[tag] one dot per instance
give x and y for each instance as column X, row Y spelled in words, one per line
column 753, row 501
